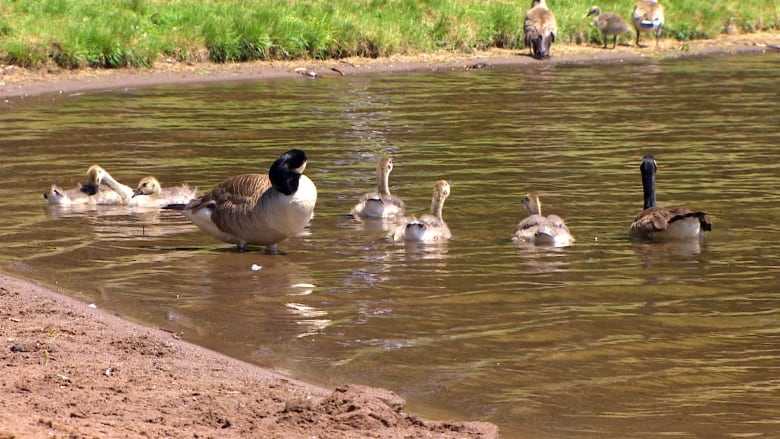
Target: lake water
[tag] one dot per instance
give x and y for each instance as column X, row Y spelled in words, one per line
column 606, row 338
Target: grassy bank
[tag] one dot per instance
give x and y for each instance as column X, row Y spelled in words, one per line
column 123, row 33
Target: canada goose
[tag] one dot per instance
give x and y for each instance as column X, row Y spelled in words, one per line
column 538, row 229
column 150, row 193
column 99, row 176
column 259, row 209
column 648, row 16
column 430, row 227
column 539, row 29
column 658, row 223
column 609, row 23
column 380, row 203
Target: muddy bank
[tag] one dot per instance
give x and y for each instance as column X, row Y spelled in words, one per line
column 73, row 371
column 17, row 83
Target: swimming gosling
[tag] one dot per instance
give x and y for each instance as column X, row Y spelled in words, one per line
column 608, row 23
column 99, row 177
column 150, row 193
column 78, row 197
column 90, row 193
column 258, row 209
column 539, row 29
column 430, row 227
column 539, row 229
column 658, row 223
column 648, row 16
column 380, row 203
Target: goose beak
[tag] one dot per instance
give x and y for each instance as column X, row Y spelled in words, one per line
column 136, row 192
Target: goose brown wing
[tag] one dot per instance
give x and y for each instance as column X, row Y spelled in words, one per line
column 236, row 194
column 651, row 220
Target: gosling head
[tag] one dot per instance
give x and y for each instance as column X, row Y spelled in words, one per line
column 595, row 10
column 385, row 165
column 442, row 190
column 147, row 186
column 95, row 175
column 532, row 204
column 54, row 196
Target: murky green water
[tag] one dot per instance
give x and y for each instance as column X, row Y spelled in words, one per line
column 607, row 338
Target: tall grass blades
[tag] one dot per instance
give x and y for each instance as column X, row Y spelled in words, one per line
column 120, row 33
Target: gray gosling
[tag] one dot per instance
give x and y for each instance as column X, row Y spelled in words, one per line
column 380, row 203
column 149, row 193
column 430, row 227
column 609, row 23
column 541, row 230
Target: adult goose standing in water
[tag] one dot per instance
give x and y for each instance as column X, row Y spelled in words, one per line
column 658, row 223
column 609, row 23
column 539, row 29
column 150, row 192
column 539, row 229
column 258, row 209
column 648, row 16
column 430, row 227
column 380, row 203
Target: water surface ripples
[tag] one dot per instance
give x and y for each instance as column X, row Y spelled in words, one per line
column 607, row 338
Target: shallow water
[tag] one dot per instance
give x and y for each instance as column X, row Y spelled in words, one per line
column 606, row 338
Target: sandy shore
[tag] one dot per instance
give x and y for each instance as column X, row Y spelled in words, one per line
column 17, row 83
column 73, row 371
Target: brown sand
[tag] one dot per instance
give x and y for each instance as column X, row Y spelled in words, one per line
column 72, row 371
column 24, row 83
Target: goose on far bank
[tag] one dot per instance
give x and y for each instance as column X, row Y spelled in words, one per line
column 380, row 203
column 539, row 229
column 539, row 29
column 430, row 227
column 658, row 223
column 151, row 193
column 648, row 16
column 257, row 209
column 609, row 23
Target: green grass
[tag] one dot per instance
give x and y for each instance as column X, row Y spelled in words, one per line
column 135, row 33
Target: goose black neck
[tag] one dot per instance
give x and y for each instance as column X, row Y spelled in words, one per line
column 285, row 171
column 648, row 169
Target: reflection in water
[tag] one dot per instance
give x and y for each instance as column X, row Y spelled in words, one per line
column 652, row 253
column 605, row 338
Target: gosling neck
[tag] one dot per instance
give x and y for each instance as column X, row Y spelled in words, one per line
column 383, row 181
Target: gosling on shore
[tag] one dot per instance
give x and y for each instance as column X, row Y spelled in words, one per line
column 609, row 23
